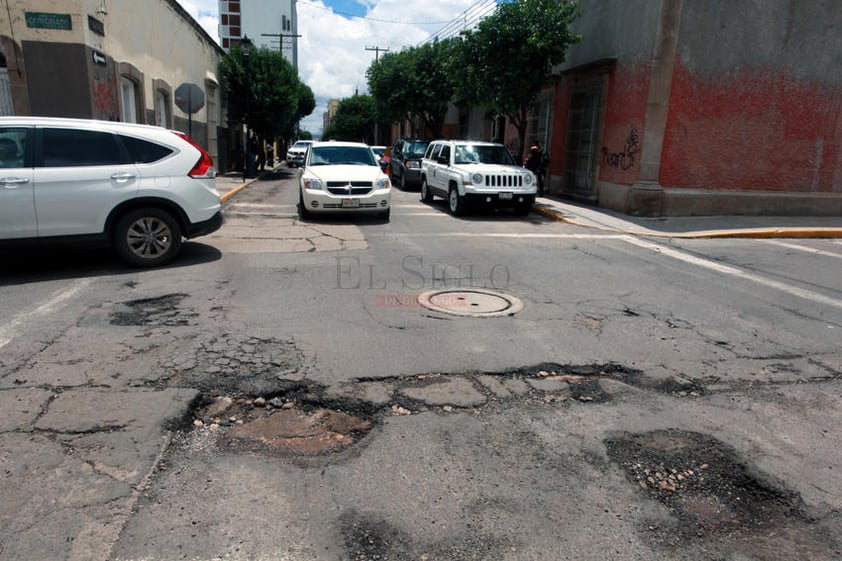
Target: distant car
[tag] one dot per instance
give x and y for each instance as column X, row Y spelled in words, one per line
column 341, row 177
column 136, row 189
column 465, row 171
column 297, row 152
column 405, row 161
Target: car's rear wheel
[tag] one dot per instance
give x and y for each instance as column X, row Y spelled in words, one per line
column 147, row 237
column 426, row 195
column 456, row 202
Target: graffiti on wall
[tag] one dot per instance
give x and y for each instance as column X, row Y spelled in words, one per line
column 625, row 159
column 104, row 98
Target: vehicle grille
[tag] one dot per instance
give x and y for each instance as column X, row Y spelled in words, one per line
column 504, row 180
column 341, row 187
column 339, row 205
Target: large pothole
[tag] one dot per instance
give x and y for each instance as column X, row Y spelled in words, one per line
column 713, row 494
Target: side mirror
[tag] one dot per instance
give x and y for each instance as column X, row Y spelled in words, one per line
column 443, row 160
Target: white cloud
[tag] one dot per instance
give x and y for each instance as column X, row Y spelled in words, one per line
column 332, row 53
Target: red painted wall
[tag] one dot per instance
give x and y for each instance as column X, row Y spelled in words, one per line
column 558, row 134
column 752, row 129
column 625, row 112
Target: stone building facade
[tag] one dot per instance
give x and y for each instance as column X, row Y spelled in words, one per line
column 123, row 60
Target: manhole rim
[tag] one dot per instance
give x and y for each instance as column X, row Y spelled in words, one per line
column 425, row 299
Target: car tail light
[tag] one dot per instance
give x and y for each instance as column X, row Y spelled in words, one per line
column 204, row 166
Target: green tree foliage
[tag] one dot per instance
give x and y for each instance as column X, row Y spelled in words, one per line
column 268, row 94
column 354, row 120
column 506, row 60
column 416, row 83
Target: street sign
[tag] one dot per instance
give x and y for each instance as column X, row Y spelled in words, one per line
column 189, row 98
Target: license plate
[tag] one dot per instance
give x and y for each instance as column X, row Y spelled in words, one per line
column 351, row 203
column 505, row 196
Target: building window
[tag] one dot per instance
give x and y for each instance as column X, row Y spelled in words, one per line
column 129, row 97
column 161, row 109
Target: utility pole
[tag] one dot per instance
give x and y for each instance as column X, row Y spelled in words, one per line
column 376, row 52
column 376, row 58
column 280, row 37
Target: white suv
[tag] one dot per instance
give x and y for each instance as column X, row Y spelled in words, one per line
column 297, row 153
column 464, row 171
column 134, row 188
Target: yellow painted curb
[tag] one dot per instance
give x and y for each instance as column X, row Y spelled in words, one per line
column 743, row 233
column 225, row 196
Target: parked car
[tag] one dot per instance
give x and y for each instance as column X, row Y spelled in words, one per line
column 137, row 189
column 405, row 161
column 464, row 172
column 343, row 177
column 297, row 153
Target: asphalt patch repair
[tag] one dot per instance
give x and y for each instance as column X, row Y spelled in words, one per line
column 718, row 499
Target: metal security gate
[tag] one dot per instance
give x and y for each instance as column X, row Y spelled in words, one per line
column 582, row 137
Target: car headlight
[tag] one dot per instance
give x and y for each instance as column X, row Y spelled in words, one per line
column 383, row 183
column 528, row 178
column 312, row 183
column 477, row 178
column 412, row 164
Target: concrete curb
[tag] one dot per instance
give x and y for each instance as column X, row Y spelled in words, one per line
column 225, row 196
column 740, row 233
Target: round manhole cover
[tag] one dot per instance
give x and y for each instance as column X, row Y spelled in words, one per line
column 472, row 302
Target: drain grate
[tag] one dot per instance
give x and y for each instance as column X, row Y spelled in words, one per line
column 473, row 302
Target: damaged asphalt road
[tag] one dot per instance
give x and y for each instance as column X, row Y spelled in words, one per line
column 224, row 446
column 282, row 396
column 547, row 462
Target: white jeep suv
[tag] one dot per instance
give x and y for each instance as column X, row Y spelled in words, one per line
column 137, row 189
column 465, row 171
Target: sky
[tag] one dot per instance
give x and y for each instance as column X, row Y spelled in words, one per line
column 335, row 36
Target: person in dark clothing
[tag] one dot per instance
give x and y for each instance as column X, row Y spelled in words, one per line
column 270, row 155
column 534, row 163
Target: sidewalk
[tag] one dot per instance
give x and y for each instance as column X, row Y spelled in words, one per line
column 691, row 226
column 229, row 184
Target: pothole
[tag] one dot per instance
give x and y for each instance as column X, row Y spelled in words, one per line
column 298, row 422
column 161, row 310
column 472, row 302
column 292, row 432
column 714, row 495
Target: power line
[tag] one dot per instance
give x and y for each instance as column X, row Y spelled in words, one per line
column 474, row 13
column 345, row 14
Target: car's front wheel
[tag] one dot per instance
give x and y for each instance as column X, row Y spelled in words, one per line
column 456, row 202
column 426, row 195
column 147, row 237
column 303, row 213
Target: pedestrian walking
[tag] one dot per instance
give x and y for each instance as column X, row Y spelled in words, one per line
column 534, row 163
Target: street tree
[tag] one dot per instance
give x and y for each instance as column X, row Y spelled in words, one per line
column 354, row 120
column 507, row 59
column 267, row 95
column 416, row 83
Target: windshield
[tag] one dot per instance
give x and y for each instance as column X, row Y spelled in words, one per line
column 483, row 154
column 342, row 155
column 415, row 149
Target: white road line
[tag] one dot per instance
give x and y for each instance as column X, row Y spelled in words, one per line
column 806, row 249
column 735, row 272
column 11, row 329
